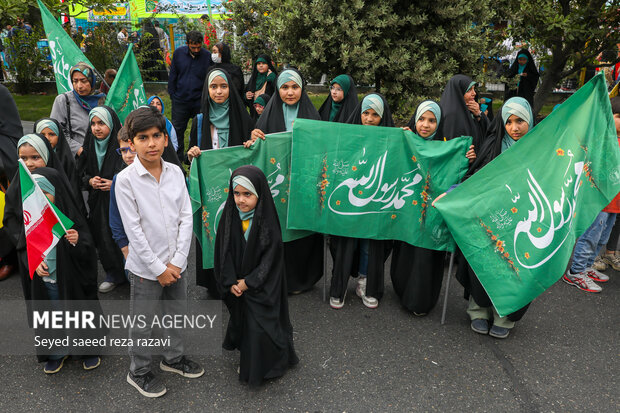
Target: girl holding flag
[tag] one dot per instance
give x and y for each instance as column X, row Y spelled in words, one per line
column 69, row 270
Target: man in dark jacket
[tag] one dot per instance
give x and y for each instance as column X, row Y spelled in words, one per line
column 188, row 70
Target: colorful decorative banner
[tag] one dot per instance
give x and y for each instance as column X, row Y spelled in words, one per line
column 127, row 91
column 65, row 53
column 185, row 6
column 119, row 12
column 517, row 220
column 372, row 182
column 209, row 180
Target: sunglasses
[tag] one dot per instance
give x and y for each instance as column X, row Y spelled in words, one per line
column 121, row 151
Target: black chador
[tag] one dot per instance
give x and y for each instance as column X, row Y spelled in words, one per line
column 110, row 255
column 240, row 128
column 259, row 325
column 303, row 257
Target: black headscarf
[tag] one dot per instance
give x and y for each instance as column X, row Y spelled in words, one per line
column 235, row 72
column 259, row 261
column 271, row 86
column 272, row 119
column 457, row 119
column 13, row 215
column 527, row 85
column 413, row 122
column 347, row 105
column 10, row 132
column 240, row 123
column 492, row 146
column 63, row 152
column 251, row 86
column 386, row 119
column 112, row 163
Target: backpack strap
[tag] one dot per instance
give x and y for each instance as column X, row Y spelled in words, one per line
column 199, row 128
column 69, row 129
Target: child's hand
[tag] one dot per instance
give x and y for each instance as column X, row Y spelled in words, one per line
column 242, row 286
column 438, row 198
column 167, row 277
column 105, row 184
column 72, row 236
column 257, row 133
column 471, row 154
column 94, row 182
column 234, row 289
column 194, row 152
column 42, row 270
column 407, row 128
column 249, row 95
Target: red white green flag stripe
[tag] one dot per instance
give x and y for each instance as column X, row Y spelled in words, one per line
column 44, row 224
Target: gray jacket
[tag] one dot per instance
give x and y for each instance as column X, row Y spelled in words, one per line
column 79, row 119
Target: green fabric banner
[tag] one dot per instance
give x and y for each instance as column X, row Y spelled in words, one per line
column 518, row 218
column 209, row 178
column 372, row 182
column 65, row 53
column 127, row 91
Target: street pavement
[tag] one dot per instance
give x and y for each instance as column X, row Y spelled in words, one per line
column 562, row 357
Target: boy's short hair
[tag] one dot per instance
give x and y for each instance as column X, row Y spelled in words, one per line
column 143, row 118
column 615, row 105
column 194, row 37
column 122, row 135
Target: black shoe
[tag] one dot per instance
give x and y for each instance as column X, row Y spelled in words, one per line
column 499, row 332
column 480, row 326
column 185, row 367
column 147, row 384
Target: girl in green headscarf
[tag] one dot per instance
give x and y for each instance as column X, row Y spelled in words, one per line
column 341, row 101
column 262, row 80
column 222, row 122
column 97, row 166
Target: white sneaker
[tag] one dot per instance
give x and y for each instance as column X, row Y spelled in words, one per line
column 613, row 260
column 360, row 290
column 337, row 303
column 581, row 281
column 596, row 275
column 106, row 287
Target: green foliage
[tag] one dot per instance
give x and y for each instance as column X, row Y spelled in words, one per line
column 408, row 50
column 575, row 32
column 27, row 62
column 102, row 48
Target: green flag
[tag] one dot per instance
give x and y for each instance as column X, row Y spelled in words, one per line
column 372, row 182
column 517, row 220
column 127, row 90
column 209, row 177
column 65, row 53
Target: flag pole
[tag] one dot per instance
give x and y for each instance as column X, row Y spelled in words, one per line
column 445, row 299
column 324, row 267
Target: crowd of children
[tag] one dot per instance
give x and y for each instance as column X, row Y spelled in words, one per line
column 138, row 216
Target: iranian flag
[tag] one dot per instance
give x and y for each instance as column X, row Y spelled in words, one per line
column 44, row 224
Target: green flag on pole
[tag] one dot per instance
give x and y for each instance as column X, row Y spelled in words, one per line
column 209, row 178
column 372, row 182
column 127, row 91
column 65, row 53
column 518, row 218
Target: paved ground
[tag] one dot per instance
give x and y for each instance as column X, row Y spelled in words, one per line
column 562, row 357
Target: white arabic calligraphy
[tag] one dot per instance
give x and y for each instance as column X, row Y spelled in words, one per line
column 540, row 203
column 384, row 193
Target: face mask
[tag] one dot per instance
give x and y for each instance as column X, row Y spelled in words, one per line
column 216, row 58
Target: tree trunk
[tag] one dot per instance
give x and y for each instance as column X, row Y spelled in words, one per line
column 550, row 78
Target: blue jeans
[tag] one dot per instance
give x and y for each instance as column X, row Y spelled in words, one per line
column 363, row 267
column 182, row 112
column 590, row 243
column 53, row 295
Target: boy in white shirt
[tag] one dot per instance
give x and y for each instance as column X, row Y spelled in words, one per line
column 157, row 217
